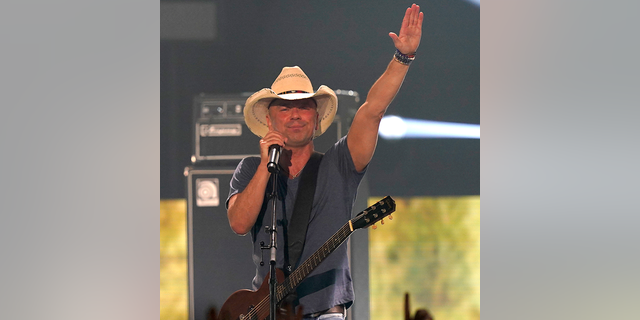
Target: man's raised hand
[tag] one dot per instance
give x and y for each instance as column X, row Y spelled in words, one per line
column 410, row 31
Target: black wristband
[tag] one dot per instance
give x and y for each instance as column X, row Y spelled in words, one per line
column 403, row 58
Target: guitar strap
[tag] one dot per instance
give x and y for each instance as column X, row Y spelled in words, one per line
column 301, row 210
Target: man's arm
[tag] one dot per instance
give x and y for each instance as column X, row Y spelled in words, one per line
column 363, row 135
column 244, row 207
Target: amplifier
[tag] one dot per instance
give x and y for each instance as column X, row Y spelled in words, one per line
column 220, row 133
column 219, row 261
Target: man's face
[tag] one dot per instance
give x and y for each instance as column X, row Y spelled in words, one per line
column 295, row 119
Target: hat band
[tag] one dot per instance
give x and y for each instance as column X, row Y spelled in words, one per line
column 292, row 91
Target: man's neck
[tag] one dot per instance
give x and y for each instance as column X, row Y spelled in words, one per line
column 295, row 158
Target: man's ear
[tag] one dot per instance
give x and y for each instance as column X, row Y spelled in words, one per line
column 268, row 121
column 317, row 121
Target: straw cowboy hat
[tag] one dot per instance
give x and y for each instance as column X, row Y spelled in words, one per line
column 291, row 84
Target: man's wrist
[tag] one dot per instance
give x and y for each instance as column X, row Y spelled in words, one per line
column 402, row 58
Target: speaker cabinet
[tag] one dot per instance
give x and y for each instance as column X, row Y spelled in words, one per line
column 219, row 261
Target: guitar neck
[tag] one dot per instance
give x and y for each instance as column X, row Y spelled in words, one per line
column 296, row 277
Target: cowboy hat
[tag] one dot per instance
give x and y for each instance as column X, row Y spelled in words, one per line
column 291, row 84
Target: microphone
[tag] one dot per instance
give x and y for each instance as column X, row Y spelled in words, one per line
column 274, row 158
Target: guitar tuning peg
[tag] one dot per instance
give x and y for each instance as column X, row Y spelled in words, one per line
column 390, row 217
column 381, row 221
column 374, row 227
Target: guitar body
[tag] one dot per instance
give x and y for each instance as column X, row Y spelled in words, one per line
column 242, row 301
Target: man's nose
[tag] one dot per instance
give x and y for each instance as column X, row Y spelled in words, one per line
column 295, row 114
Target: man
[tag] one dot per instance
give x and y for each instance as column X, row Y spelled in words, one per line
column 291, row 115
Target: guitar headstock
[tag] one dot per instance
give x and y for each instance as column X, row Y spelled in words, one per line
column 374, row 213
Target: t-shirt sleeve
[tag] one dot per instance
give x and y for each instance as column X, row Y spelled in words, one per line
column 345, row 162
column 242, row 176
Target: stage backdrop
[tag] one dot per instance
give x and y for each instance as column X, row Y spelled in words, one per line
column 230, row 47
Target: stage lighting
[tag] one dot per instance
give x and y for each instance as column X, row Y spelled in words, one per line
column 394, row 127
column 476, row 2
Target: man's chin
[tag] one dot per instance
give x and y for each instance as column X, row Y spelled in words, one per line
column 298, row 143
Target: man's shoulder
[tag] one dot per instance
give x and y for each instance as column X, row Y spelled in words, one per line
column 248, row 164
column 338, row 147
column 252, row 161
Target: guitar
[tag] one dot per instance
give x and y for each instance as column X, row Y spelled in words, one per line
column 254, row 305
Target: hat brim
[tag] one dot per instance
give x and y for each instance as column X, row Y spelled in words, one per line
column 257, row 107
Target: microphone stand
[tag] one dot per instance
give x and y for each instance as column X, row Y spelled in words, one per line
column 273, row 281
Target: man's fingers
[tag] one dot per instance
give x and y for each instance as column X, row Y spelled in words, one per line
column 270, row 142
column 274, row 137
column 413, row 14
column 393, row 36
column 271, row 134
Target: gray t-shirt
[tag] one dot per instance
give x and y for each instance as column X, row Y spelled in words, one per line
column 330, row 283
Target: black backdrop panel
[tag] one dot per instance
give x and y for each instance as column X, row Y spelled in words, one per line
column 341, row 47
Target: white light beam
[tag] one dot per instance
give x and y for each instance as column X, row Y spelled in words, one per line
column 394, row 127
